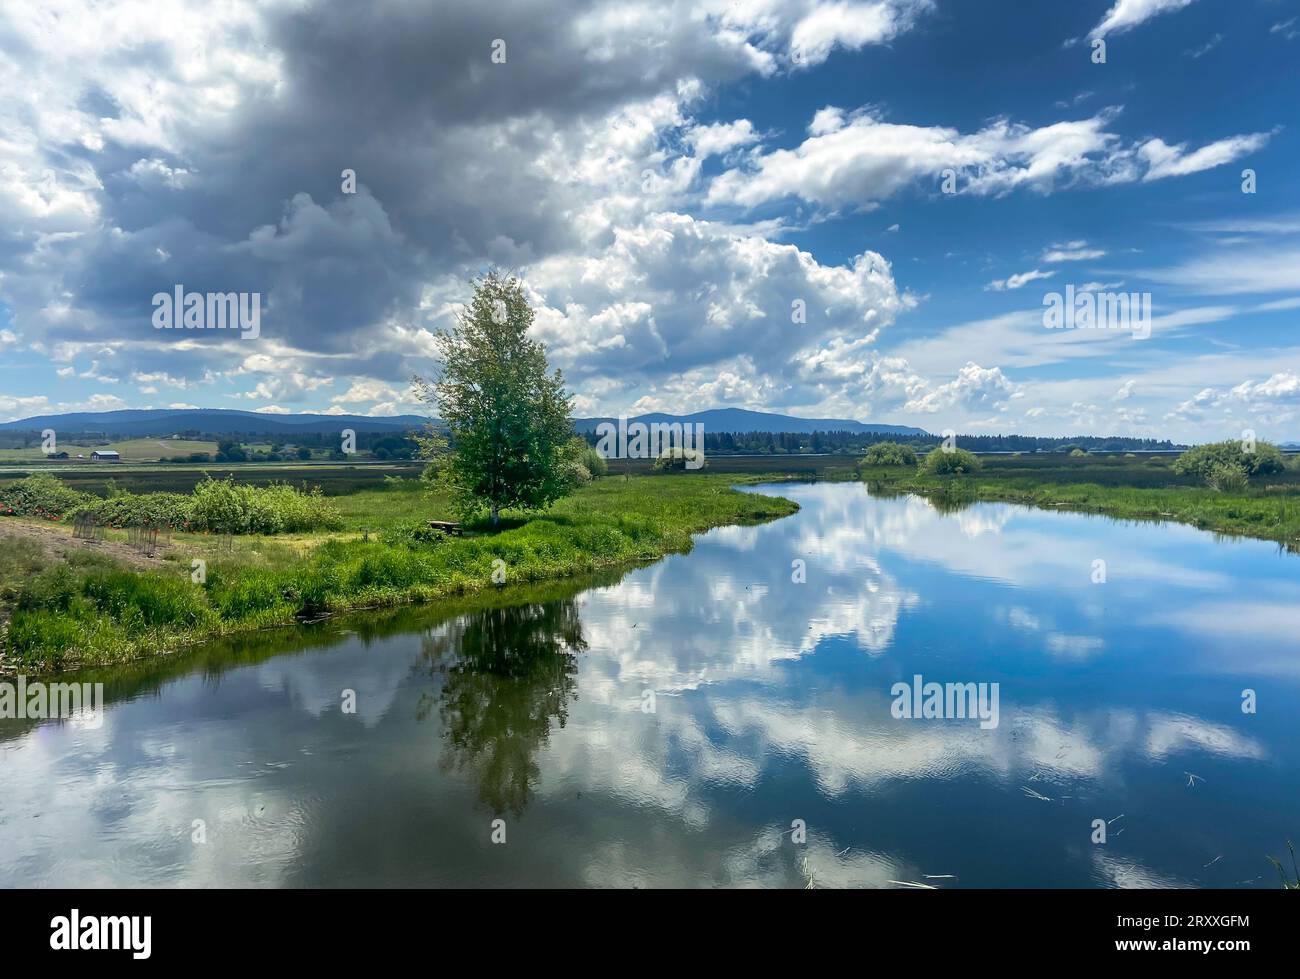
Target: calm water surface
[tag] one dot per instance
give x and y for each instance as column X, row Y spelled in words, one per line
column 1119, row 701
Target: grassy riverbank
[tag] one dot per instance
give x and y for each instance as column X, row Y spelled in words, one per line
column 1139, row 489
column 69, row 608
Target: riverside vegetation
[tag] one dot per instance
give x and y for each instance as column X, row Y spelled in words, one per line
column 297, row 555
column 369, row 549
column 1219, row 487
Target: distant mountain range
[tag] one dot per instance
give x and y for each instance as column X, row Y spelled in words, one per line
column 741, row 420
column 209, row 421
column 222, row 421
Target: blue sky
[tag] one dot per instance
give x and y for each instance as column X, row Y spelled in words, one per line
column 671, row 181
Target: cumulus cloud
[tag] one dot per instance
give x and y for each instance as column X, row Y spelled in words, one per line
column 974, row 388
column 1273, row 401
column 366, row 390
column 136, row 160
column 676, row 294
column 589, row 162
column 825, row 26
column 721, row 137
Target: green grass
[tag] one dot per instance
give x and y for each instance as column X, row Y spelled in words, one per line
column 1127, row 488
column 69, row 616
column 132, row 450
column 333, row 478
column 20, row 559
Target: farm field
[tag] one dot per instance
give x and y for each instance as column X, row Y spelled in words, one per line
column 131, row 450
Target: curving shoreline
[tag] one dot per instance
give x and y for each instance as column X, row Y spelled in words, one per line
column 85, row 611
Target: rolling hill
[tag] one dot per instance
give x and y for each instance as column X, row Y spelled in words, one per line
column 221, row 421
column 742, row 420
column 207, row 421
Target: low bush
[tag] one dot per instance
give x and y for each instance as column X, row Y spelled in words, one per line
column 593, row 461
column 575, row 473
column 1227, row 479
column 1263, row 459
column 950, row 462
column 40, row 495
column 138, row 510
column 889, row 454
column 410, row 532
column 226, row 507
column 676, row 459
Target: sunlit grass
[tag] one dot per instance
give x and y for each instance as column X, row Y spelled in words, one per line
column 68, row 616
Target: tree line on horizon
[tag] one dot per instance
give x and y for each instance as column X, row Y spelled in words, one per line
column 392, row 445
column 849, row 443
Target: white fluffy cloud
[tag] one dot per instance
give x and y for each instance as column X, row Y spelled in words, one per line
column 859, row 159
column 1174, row 161
column 134, row 159
column 674, row 295
column 1275, row 399
column 1127, row 14
column 851, row 25
column 974, row 389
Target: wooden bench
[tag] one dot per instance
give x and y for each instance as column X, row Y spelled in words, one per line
column 447, row 527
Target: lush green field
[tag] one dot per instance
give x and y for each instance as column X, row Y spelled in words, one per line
column 88, row 610
column 332, row 478
column 132, row 450
column 1134, row 488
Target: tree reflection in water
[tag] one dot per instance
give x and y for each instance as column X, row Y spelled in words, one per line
column 505, row 673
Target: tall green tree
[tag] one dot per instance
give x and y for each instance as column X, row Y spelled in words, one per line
column 508, row 419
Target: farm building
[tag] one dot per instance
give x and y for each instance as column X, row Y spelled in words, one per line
column 105, row 455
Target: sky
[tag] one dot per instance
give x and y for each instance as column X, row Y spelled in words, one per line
column 830, row 208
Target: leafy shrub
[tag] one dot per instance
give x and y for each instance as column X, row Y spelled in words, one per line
column 40, row 495
column 675, row 459
column 131, row 510
column 1203, row 460
column 950, row 463
column 575, row 473
column 224, row 507
column 889, row 454
column 1227, row 479
column 581, row 462
column 1077, row 453
column 593, row 461
column 410, row 532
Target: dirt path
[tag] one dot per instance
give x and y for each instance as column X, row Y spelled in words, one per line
column 57, row 543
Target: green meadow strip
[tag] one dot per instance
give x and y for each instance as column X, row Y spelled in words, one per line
column 93, row 612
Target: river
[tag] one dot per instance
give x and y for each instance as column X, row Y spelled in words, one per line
column 727, row 717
